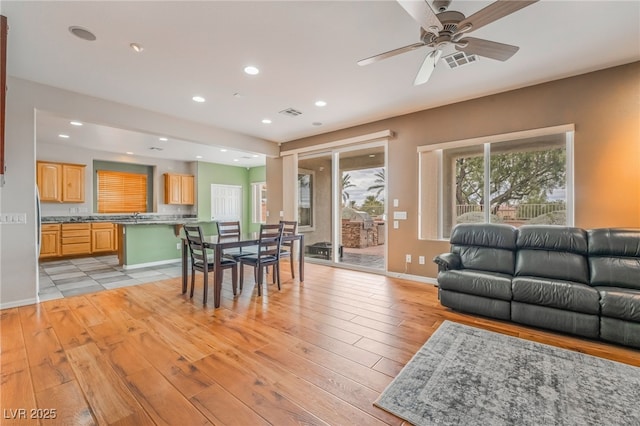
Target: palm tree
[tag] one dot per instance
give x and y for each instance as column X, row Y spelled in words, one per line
column 346, row 183
column 379, row 182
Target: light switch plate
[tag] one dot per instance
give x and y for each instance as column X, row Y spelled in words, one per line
column 396, row 202
column 396, row 224
column 400, row 215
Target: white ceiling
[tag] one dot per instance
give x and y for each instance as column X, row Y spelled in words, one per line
column 306, row 51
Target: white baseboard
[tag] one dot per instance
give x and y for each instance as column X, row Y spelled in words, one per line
column 146, row 265
column 17, row 303
column 418, row 278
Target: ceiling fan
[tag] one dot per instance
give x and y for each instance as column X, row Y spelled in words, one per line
column 450, row 28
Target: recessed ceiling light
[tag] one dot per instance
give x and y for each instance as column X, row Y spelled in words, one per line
column 251, row 70
column 129, row 153
column 223, row 150
column 236, row 160
column 316, row 123
column 137, row 47
column 198, row 99
column 198, row 156
column 266, row 121
column 82, row 33
column 255, row 156
column 321, row 103
column 163, row 139
column 63, row 136
column 75, row 123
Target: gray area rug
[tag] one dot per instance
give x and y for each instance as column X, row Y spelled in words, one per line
column 467, row 376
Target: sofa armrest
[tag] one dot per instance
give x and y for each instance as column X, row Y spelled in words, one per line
column 448, row 261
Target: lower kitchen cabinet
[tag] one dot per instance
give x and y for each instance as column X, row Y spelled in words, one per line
column 77, row 239
column 103, row 237
column 50, row 240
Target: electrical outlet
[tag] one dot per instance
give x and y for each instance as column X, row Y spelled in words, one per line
column 421, row 260
column 407, row 258
column 178, row 246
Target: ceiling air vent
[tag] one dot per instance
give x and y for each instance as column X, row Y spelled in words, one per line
column 290, row 112
column 458, row 59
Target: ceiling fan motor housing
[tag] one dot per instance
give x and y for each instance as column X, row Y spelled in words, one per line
column 450, row 21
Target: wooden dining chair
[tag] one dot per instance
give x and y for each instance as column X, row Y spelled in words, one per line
column 202, row 261
column 268, row 255
column 289, row 227
column 231, row 230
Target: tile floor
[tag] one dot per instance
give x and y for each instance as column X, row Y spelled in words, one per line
column 71, row 277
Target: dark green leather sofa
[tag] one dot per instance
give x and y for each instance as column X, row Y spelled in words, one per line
column 561, row 278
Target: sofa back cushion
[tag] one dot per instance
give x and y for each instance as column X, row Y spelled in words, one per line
column 555, row 252
column 485, row 246
column 614, row 257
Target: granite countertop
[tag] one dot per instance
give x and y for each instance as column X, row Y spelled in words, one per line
column 143, row 219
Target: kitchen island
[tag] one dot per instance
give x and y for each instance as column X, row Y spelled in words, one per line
column 142, row 240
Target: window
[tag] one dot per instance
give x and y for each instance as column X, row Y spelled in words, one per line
column 121, row 192
column 259, row 202
column 306, row 182
column 226, row 202
column 514, row 180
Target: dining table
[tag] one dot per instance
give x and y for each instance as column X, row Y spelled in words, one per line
column 218, row 244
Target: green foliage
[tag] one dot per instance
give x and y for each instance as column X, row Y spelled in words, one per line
column 528, row 176
column 379, row 183
column 372, row 205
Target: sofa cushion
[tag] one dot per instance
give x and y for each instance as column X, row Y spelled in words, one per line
column 558, row 294
column 614, row 257
column 621, row 303
column 480, row 283
column 485, row 247
column 554, row 252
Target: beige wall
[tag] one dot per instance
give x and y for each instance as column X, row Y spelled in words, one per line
column 604, row 106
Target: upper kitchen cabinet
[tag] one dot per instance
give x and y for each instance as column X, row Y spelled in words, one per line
column 60, row 182
column 178, row 189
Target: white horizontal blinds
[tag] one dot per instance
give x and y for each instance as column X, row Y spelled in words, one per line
column 120, row 192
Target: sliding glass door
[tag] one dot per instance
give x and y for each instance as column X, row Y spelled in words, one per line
column 342, row 206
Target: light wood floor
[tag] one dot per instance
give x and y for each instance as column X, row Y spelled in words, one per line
column 314, row 353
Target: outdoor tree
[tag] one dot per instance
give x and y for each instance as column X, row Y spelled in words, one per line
column 527, row 176
column 346, row 183
column 379, row 183
column 372, row 205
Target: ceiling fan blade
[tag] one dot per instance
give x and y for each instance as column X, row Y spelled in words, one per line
column 390, row 53
column 493, row 12
column 429, row 64
column 422, row 13
column 488, row 49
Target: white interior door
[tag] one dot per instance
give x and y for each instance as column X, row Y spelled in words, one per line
column 226, row 202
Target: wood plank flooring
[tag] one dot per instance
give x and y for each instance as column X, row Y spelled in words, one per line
column 314, row 353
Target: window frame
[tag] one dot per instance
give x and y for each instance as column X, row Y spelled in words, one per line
column 312, row 199
column 258, row 202
column 430, row 156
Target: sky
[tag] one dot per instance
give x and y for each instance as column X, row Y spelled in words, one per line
column 363, row 179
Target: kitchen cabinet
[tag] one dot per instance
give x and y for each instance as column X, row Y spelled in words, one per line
column 103, row 237
column 50, row 240
column 178, row 189
column 61, row 182
column 76, row 239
